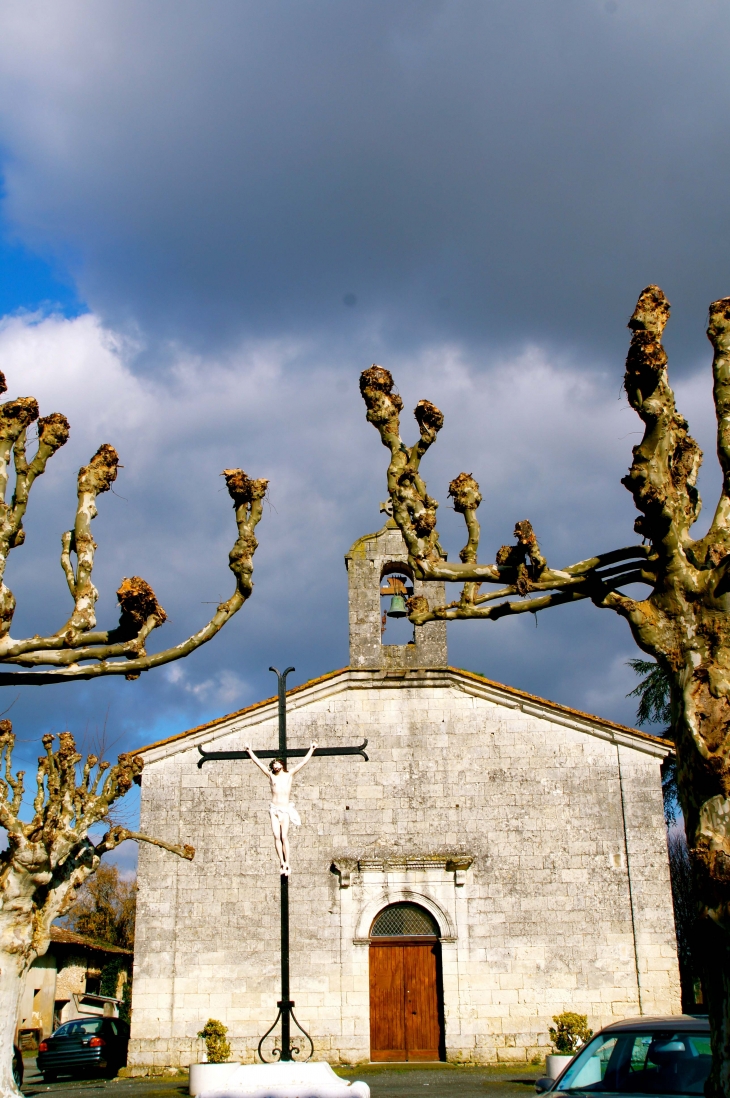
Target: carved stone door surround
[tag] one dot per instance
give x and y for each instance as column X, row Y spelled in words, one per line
column 439, row 883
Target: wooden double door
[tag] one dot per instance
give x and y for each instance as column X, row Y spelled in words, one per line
column 406, row 1016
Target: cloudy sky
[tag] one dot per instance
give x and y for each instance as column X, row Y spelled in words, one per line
column 214, row 216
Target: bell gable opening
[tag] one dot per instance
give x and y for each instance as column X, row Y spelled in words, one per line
column 396, row 587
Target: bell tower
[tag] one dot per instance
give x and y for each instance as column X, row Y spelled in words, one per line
column 369, row 562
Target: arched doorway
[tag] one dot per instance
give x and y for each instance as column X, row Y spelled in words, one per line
column 406, row 999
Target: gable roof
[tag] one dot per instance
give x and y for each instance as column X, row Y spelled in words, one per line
column 472, row 683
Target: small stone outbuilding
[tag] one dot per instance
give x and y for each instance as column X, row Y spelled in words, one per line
column 499, row 859
column 65, row 983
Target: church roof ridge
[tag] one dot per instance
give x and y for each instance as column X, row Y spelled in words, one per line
column 568, row 710
column 240, row 712
column 410, row 674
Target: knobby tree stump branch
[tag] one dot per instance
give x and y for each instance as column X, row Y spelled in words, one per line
column 683, row 621
column 77, row 650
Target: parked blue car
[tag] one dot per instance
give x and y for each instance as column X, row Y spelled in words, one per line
column 84, row 1045
column 640, row 1056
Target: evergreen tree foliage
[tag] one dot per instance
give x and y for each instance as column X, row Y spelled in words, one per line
column 652, row 692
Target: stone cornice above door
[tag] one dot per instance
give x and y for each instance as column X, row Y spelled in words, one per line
column 387, row 865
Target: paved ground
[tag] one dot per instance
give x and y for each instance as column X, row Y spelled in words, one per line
column 445, row 1080
column 385, row 1081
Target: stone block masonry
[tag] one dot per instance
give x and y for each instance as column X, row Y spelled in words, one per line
column 537, row 844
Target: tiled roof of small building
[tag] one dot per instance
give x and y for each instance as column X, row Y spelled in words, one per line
column 61, row 936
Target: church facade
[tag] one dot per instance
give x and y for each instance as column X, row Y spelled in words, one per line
column 499, row 859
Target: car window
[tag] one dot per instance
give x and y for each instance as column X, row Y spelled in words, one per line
column 80, row 1027
column 593, row 1067
column 639, row 1052
column 700, row 1043
column 662, row 1062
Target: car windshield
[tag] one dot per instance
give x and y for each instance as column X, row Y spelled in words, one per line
column 81, row 1027
column 662, row 1062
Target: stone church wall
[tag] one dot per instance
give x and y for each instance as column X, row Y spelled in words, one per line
column 538, row 846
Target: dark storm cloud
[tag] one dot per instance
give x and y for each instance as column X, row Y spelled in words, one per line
column 493, row 172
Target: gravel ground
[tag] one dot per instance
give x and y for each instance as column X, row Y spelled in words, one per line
column 384, row 1080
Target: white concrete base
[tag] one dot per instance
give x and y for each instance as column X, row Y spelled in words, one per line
column 290, row 1080
column 554, row 1065
column 208, row 1077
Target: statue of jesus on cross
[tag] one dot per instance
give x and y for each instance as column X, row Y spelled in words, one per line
column 281, row 809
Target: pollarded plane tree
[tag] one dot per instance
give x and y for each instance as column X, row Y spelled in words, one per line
column 48, row 859
column 683, row 621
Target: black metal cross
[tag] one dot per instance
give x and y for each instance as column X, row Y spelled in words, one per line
column 286, row 1007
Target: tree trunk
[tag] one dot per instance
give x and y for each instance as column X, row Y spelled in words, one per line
column 12, row 970
column 701, row 720
column 716, row 986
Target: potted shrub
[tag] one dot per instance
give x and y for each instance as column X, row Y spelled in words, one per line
column 216, row 1066
column 570, row 1034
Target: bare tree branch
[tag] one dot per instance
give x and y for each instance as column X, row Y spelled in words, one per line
column 522, row 566
column 419, row 612
column 77, row 650
column 664, row 471
column 718, row 332
column 94, row 479
column 118, row 834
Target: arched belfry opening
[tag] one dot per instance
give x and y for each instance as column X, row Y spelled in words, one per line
column 396, row 587
column 378, row 574
column 406, row 992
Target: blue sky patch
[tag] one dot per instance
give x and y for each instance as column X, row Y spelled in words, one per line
column 30, row 283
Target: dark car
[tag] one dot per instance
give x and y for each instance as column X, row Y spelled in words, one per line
column 17, row 1066
column 84, row 1045
column 640, row 1056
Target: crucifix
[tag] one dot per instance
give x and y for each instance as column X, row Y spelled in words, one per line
column 282, row 812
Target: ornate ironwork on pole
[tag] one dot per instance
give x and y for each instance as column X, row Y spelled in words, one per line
column 289, row 1050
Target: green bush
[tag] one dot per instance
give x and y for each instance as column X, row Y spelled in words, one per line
column 570, row 1034
column 110, row 985
column 216, row 1045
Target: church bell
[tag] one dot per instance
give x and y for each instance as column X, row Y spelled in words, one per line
column 397, row 607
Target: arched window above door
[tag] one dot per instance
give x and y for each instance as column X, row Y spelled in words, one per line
column 404, row 920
